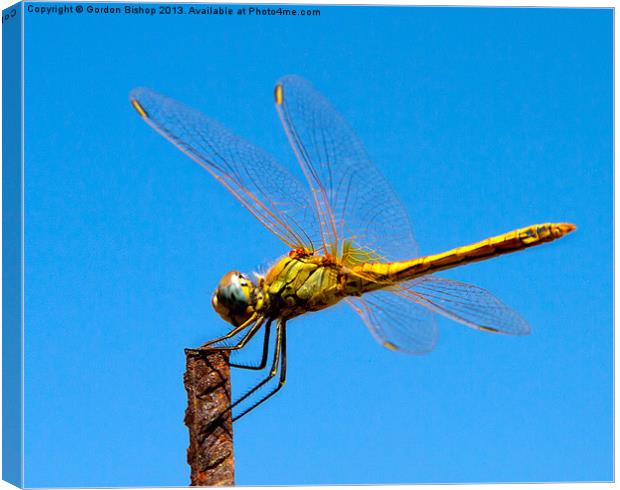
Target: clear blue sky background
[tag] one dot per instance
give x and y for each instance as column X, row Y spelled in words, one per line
column 484, row 120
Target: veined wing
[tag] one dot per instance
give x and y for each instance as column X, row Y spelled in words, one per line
column 400, row 318
column 466, row 304
column 396, row 322
column 355, row 203
column 266, row 189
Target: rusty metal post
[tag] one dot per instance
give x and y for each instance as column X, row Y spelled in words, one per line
column 210, row 451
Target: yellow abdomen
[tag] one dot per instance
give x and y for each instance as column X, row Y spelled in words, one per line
column 373, row 276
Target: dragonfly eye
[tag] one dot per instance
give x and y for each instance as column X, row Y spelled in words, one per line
column 232, row 299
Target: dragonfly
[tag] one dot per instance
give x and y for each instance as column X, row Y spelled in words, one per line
column 349, row 237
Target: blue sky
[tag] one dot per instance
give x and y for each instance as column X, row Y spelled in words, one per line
column 484, row 120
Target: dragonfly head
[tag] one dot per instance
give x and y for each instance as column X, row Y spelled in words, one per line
column 233, row 299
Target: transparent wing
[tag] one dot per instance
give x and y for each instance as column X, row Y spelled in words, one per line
column 357, row 208
column 401, row 318
column 466, row 304
column 397, row 322
column 269, row 191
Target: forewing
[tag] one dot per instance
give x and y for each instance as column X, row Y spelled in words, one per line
column 466, row 304
column 356, row 205
column 266, row 189
column 397, row 322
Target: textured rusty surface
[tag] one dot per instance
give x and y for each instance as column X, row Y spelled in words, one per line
column 210, row 451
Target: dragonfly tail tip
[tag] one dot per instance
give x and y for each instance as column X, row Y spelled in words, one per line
column 567, row 227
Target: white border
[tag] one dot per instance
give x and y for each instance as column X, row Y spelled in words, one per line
column 480, row 3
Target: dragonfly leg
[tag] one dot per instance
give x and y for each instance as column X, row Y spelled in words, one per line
column 263, row 361
column 232, row 333
column 253, row 329
column 280, row 355
column 272, row 371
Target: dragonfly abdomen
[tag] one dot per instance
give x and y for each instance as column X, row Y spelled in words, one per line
column 382, row 274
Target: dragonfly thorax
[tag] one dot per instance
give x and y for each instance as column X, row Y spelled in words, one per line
column 301, row 283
